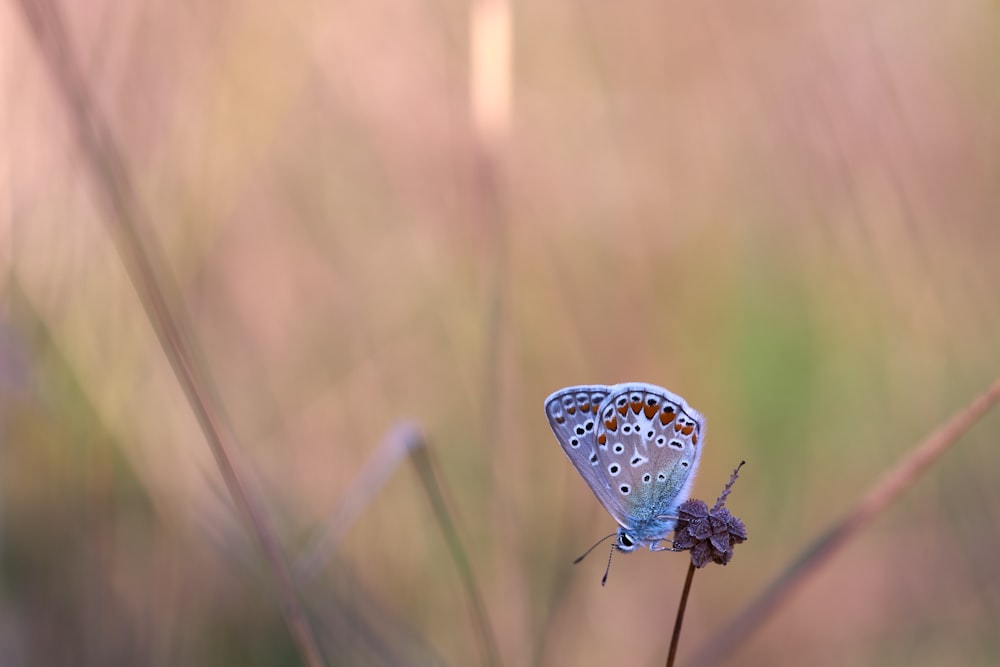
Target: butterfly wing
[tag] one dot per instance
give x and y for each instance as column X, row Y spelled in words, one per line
column 648, row 444
column 573, row 415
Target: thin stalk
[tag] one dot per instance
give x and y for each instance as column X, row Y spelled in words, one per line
column 391, row 452
column 405, row 439
column 675, row 639
column 132, row 233
column 882, row 494
column 421, row 457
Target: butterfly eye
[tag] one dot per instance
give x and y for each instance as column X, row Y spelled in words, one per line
column 625, row 540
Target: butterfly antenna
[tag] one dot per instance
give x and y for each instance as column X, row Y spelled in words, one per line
column 604, row 579
column 587, row 552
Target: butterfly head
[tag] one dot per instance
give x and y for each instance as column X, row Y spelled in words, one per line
column 631, row 539
column 626, row 542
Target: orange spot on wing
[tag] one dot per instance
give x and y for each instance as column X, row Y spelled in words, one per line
column 602, row 439
column 594, row 408
column 623, row 410
column 649, row 411
column 677, row 427
column 666, row 417
column 571, row 410
column 694, row 439
column 636, row 406
column 585, row 407
column 687, row 429
column 611, row 424
column 560, row 419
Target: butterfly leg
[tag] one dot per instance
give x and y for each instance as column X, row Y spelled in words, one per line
column 655, row 546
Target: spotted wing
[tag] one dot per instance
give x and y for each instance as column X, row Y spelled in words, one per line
column 573, row 415
column 648, row 444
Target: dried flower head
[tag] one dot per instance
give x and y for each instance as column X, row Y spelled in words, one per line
column 710, row 534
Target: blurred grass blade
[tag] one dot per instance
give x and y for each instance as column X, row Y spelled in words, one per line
column 490, row 72
column 404, row 439
column 391, row 451
column 146, row 268
column 882, row 494
column 490, row 35
column 421, row 456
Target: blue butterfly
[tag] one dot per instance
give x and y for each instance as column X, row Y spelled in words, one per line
column 637, row 447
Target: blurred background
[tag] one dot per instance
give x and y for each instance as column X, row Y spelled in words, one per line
column 377, row 211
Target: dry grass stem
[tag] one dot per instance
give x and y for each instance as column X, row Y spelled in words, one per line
column 133, row 236
column 400, row 442
column 879, row 497
column 421, row 456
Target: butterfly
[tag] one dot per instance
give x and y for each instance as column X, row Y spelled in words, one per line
column 637, row 447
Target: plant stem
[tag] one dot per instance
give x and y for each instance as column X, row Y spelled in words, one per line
column 881, row 495
column 144, row 262
column 420, row 455
column 675, row 639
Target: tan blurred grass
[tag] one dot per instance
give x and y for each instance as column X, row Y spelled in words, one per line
column 787, row 216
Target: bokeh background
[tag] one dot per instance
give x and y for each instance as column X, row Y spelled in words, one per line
column 785, row 212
